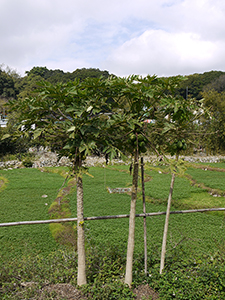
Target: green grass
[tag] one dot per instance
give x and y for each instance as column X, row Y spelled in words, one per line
column 212, row 179
column 22, row 200
column 215, row 165
column 199, row 231
column 195, row 247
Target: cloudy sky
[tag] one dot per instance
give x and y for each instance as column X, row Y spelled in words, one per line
column 162, row 37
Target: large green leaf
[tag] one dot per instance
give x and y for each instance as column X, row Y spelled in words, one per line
column 37, row 132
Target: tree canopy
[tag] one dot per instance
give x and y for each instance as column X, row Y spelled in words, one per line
column 13, row 86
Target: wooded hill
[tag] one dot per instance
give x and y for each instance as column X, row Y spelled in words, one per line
column 14, row 86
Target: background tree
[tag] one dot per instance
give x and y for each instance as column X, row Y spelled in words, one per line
column 7, row 86
column 218, row 84
column 55, row 76
column 196, row 83
column 214, row 138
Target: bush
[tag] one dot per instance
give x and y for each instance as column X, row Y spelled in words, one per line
column 27, row 163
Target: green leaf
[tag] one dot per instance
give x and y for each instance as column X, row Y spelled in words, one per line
column 37, row 133
column 72, row 128
column 5, row 136
column 67, row 147
column 89, row 108
column 168, row 127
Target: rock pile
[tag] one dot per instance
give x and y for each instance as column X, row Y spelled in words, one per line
column 51, row 159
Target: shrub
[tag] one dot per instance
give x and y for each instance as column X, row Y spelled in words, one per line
column 27, row 163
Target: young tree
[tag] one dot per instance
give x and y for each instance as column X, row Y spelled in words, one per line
column 71, row 111
column 136, row 99
column 178, row 125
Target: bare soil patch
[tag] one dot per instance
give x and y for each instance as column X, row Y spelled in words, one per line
column 69, row 292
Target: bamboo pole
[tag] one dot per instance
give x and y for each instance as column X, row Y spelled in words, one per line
column 144, row 211
column 110, row 217
column 163, row 253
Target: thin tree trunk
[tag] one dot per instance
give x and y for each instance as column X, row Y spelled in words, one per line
column 144, row 211
column 130, row 244
column 81, row 273
column 163, row 253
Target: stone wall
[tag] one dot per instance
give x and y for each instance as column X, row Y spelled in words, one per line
column 45, row 158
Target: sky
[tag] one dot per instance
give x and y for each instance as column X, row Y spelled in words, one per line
column 124, row 37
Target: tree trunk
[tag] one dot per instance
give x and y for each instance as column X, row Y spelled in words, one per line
column 81, row 273
column 163, row 253
column 130, row 245
column 144, row 211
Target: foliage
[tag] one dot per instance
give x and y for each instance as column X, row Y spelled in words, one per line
column 185, row 276
column 7, row 87
column 16, row 87
column 112, row 289
column 215, row 137
column 56, row 76
column 27, row 85
column 59, row 266
column 177, row 122
column 27, row 163
column 196, row 83
column 63, row 233
column 13, row 141
column 218, row 85
column 199, row 278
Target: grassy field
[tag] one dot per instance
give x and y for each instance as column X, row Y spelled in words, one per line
column 22, row 200
column 33, row 252
column 198, row 230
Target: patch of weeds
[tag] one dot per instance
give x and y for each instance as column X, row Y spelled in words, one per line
column 3, row 182
column 108, row 290
column 189, row 277
column 104, row 262
column 63, row 233
column 9, row 157
column 24, row 275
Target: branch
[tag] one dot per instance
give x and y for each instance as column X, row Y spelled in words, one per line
column 64, row 115
column 150, row 143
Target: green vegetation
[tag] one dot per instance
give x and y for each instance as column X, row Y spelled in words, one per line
column 209, row 85
column 22, row 200
column 85, row 115
column 195, row 259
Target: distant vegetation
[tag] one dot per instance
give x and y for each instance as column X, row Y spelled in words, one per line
column 209, row 85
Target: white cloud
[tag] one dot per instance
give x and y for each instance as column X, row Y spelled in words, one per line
column 162, row 53
column 124, row 37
